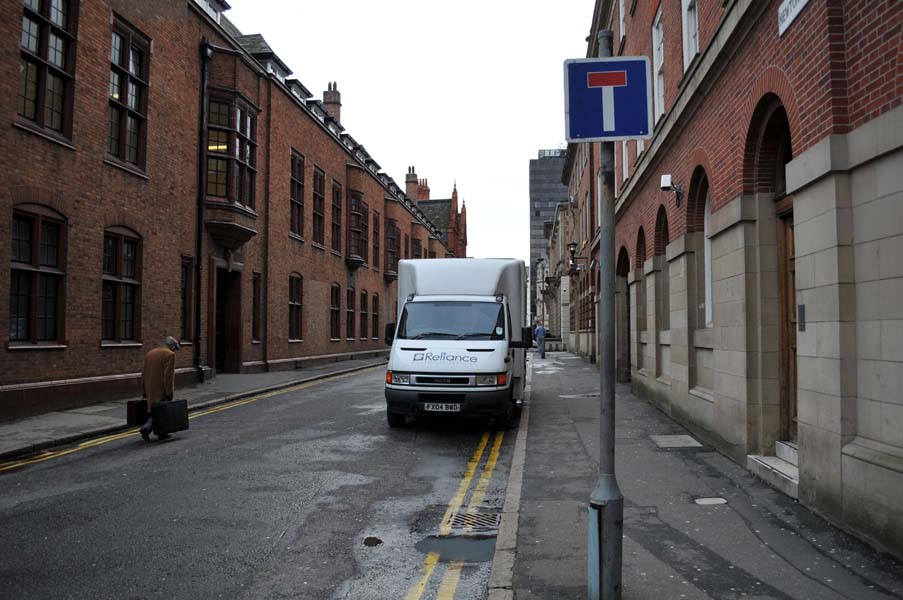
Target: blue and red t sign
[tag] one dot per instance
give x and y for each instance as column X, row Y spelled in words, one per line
column 607, row 99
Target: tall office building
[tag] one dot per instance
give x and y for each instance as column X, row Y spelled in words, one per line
column 546, row 191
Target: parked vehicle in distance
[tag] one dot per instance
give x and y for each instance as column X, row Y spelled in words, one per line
column 460, row 342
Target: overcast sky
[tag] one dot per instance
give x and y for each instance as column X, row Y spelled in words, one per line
column 467, row 90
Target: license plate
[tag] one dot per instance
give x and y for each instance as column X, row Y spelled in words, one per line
column 442, row 407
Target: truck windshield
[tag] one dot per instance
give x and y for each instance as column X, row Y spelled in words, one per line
column 452, row 320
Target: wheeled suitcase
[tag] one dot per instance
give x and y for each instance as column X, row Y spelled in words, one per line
column 136, row 413
column 171, row 416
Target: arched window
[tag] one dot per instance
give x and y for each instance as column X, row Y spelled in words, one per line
column 365, row 319
column 121, row 291
column 295, row 304
column 37, row 282
column 335, row 305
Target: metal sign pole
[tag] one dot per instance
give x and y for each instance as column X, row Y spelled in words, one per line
column 606, row 509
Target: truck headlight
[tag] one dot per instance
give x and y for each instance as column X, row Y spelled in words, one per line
column 497, row 379
column 398, row 378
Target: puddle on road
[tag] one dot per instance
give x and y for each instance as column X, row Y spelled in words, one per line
column 466, row 548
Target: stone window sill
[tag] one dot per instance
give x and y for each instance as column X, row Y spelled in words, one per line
column 42, row 133
column 293, row 342
column 122, row 166
column 18, row 346
column 121, row 344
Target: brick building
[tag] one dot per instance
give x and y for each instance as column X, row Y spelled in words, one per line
column 166, row 175
column 759, row 300
column 442, row 213
column 546, row 193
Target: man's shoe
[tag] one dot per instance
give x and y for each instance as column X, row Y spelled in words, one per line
column 145, row 434
column 162, row 436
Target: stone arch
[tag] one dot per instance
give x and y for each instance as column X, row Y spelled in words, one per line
column 623, row 265
column 661, row 239
column 768, row 147
column 699, row 189
column 640, row 249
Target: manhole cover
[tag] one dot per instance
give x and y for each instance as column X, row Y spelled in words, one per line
column 476, row 521
column 675, row 441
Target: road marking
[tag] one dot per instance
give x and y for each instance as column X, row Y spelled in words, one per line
column 50, row 454
column 450, row 581
column 428, row 565
column 458, row 499
column 483, row 483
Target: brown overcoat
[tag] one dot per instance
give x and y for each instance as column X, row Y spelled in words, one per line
column 159, row 375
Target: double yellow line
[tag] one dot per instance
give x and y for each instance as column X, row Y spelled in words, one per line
column 449, row 582
column 51, row 454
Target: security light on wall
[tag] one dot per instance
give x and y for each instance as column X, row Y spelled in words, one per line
column 668, row 186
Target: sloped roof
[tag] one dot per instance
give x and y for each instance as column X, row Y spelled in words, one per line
column 438, row 212
column 257, row 47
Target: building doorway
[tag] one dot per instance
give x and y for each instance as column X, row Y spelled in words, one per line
column 787, row 292
column 228, row 321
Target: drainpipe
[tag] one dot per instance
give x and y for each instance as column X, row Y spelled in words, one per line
column 265, row 284
column 206, row 52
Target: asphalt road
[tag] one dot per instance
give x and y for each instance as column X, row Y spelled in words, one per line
column 305, row 494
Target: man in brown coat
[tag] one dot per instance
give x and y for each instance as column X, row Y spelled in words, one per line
column 159, row 380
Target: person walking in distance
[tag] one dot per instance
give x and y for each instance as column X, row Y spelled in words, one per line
column 158, row 380
column 541, row 340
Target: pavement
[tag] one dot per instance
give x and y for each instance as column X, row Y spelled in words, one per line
column 34, row 434
column 754, row 543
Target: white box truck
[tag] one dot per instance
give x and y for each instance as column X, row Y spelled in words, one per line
column 459, row 341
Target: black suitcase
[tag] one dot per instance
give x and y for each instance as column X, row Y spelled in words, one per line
column 171, row 416
column 136, row 413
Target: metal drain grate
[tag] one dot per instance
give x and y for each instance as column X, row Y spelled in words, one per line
column 476, row 521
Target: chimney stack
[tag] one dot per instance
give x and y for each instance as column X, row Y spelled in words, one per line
column 332, row 101
column 411, row 184
column 423, row 190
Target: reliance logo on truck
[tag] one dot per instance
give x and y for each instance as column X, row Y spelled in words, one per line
column 444, row 357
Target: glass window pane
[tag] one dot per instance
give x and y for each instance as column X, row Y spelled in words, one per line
column 115, row 131
column 132, row 127
column 30, row 34
column 20, row 303
column 134, row 96
column 47, row 307
column 59, row 13
column 50, row 244
column 53, row 114
column 110, row 248
column 218, row 114
column 116, row 49
column 56, row 50
column 127, row 325
column 108, row 311
column 21, row 239
column 129, row 258
column 217, row 172
column 34, row 5
column 28, row 89
column 218, row 141
column 136, row 58
column 115, row 85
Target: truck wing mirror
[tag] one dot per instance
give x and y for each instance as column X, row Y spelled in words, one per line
column 390, row 334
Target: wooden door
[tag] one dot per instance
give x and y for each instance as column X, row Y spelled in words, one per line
column 788, row 325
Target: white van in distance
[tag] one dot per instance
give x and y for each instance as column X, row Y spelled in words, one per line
column 460, row 340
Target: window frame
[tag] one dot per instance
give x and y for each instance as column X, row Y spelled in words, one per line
column 374, row 315
column 376, row 233
column 131, row 38
column 336, row 212
column 238, row 136
column 120, row 281
column 36, row 272
column 658, row 66
column 335, row 307
column 689, row 18
column 296, row 195
column 350, row 317
column 365, row 318
column 392, row 245
column 319, row 207
column 40, row 59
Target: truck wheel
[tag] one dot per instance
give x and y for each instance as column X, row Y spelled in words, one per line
column 505, row 420
column 395, row 419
